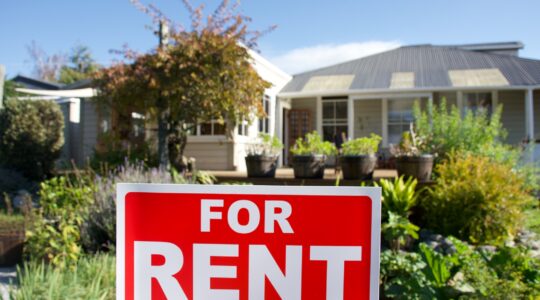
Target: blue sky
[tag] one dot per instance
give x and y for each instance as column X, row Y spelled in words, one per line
column 310, row 34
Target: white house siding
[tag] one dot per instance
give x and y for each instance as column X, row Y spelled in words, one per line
column 307, row 104
column 211, row 155
column 367, row 117
column 65, row 155
column 513, row 115
column 89, row 129
column 537, row 114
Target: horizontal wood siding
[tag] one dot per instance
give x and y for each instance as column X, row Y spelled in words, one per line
column 210, row 155
column 307, row 104
column 367, row 117
column 89, row 120
column 536, row 104
column 513, row 115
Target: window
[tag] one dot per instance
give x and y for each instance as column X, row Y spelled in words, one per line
column 264, row 123
column 212, row 128
column 400, row 116
column 478, row 102
column 243, row 128
column 334, row 120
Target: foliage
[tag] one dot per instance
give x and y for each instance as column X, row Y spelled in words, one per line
column 54, row 235
column 398, row 196
column 475, row 199
column 398, row 231
column 533, row 218
column 31, row 136
column 447, row 129
column 99, row 228
column 46, row 67
column 93, row 277
column 269, row 145
column 313, row 144
column 362, row 146
column 81, row 65
column 11, row 223
column 200, row 75
column 411, row 144
column 9, row 89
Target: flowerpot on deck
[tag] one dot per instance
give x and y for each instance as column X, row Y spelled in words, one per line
column 419, row 167
column 358, row 167
column 308, row 166
column 261, row 166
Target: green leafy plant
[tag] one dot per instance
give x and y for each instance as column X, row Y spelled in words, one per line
column 92, row 277
column 268, row 146
column 399, row 196
column 411, row 144
column 362, row 146
column 31, row 136
column 313, row 144
column 398, row 231
column 54, row 234
column 475, row 199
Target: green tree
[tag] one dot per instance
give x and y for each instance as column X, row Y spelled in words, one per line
column 201, row 74
column 81, row 65
column 31, row 136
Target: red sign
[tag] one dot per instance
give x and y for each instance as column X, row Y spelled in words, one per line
column 247, row 242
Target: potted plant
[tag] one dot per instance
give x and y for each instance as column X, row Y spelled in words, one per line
column 412, row 158
column 358, row 157
column 309, row 156
column 12, row 235
column 261, row 159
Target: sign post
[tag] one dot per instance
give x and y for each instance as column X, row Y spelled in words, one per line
column 207, row 242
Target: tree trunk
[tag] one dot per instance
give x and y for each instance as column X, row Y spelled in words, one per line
column 163, row 132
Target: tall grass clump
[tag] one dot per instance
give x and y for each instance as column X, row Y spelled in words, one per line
column 92, row 277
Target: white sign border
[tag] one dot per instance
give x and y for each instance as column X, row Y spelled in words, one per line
column 374, row 193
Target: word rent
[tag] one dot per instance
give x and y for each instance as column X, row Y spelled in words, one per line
column 241, row 217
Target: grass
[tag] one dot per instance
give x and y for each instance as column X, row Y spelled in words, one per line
column 92, row 278
column 10, row 223
column 532, row 219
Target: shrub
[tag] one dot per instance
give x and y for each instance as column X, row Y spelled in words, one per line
column 91, row 278
column 313, row 145
column 31, row 136
column 269, row 145
column 398, row 196
column 475, row 199
column 54, row 235
column 362, row 146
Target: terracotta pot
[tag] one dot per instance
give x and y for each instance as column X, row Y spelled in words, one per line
column 358, row 167
column 261, row 166
column 419, row 167
column 309, row 166
column 11, row 247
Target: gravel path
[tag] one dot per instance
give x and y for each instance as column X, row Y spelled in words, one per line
column 7, row 275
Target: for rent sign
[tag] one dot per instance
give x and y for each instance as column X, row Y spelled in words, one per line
column 247, row 242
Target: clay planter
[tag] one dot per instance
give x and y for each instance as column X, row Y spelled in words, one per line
column 261, row 166
column 11, row 247
column 308, row 166
column 358, row 167
column 419, row 167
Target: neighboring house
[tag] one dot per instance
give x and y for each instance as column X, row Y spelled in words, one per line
column 375, row 94
column 80, row 117
column 212, row 148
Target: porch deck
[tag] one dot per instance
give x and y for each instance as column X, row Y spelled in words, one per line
column 285, row 176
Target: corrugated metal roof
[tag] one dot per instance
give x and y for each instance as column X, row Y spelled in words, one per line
column 430, row 65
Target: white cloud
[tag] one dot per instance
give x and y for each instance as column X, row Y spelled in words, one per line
column 309, row 58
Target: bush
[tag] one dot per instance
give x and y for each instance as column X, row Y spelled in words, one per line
column 475, row 199
column 91, row 278
column 398, row 196
column 447, row 130
column 313, row 145
column 31, row 136
column 54, row 235
column 362, row 146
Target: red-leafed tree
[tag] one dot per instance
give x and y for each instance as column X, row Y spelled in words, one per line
column 203, row 73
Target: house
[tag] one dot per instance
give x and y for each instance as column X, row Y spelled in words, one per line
column 212, row 148
column 375, row 94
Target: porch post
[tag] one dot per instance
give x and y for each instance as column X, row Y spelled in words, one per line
column 350, row 118
column 529, row 114
column 318, row 119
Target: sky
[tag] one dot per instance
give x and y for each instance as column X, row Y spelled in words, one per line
column 309, row 34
